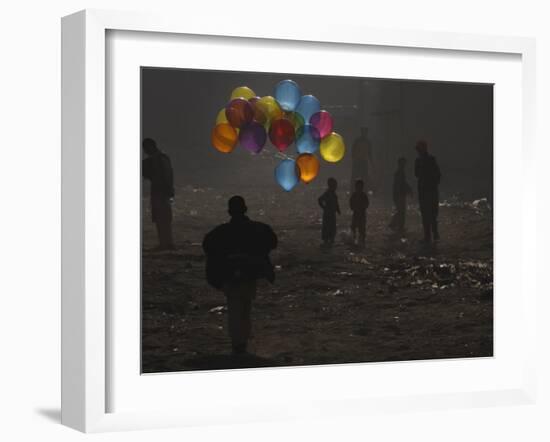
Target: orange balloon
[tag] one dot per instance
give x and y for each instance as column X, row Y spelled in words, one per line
column 224, row 137
column 309, row 167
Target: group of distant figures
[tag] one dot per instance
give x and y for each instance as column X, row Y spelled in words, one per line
column 238, row 251
column 157, row 169
column 428, row 175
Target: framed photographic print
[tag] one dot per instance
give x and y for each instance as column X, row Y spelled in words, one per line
column 279, row 224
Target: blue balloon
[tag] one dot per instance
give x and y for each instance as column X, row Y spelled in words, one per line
column 286, row 174
column 288, row 94
column 307, row 139
column 308, row 106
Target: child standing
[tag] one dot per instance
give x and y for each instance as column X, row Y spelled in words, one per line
column 329, row 203
column 358, row 203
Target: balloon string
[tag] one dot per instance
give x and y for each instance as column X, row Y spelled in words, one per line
column 283, row 156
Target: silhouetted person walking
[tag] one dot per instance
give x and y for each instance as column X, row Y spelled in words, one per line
column 358, row 203
column 329, row 203
column 158, row 170
column 237, row 255
column 401, row 190
column 428, row 174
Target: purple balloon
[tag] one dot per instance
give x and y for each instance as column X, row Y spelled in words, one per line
column 253, row 137
column 322, row 121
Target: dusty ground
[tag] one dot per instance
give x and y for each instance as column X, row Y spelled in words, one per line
column 396, row 300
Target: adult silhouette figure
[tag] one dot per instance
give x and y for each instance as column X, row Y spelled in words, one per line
column 237, row 255
column 156, row 168
column 428, row 174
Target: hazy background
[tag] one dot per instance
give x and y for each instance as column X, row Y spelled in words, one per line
column 179, row 109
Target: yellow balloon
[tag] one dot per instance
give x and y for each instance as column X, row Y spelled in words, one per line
column 332, row 148
column 242, row 92
column 221, row 118
column 224, row 137
column 270, row 107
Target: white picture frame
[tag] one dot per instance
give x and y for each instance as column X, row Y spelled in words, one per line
column 86, row 351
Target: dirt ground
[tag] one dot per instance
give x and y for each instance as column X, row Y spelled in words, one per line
column 394, row 301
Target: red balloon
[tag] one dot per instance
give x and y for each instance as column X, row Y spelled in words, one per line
column 281, row 133
column 239, row 112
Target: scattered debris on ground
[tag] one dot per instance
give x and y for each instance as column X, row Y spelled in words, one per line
column 393, row 300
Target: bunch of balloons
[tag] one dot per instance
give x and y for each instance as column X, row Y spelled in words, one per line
column 287, row 118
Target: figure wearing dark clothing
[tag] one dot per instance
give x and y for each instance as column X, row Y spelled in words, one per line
column 237, row 256
column 358, row 203
column 428, row 174
column 158, row 170
column 329, row 203
column 401, row 190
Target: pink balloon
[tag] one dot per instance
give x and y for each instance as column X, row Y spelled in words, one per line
column 322, row 121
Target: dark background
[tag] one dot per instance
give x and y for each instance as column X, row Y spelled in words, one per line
column 179, row 109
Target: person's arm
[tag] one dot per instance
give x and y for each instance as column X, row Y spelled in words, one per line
column 437, row 172
column 403, row 188
column 367, row 201
column 171, row 179
column 146, row 168
column 168, row 176
column 322, row 202
column 337, row 206
column 416, row 168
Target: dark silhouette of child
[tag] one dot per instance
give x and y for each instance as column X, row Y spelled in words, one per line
column 156, row 168
column 329, row 203
column 358, row 203
column 237, row 255
column 401, row 190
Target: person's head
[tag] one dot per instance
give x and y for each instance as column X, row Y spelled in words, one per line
column 421, row 147
column 359, row 185
column 364, row 131
column 332, row 184
column 236, row 206
column 149, row 146
column 401, row 163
